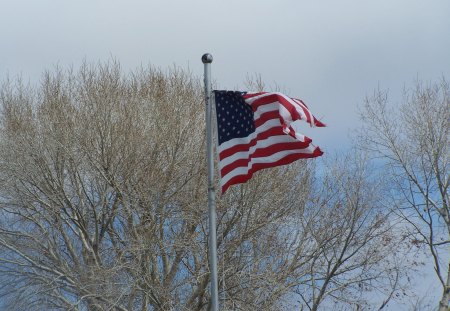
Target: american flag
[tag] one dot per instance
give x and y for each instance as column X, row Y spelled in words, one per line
column 259, row 130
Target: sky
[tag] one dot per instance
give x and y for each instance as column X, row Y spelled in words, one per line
column 329, row 53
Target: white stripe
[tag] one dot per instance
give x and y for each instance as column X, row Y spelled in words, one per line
column 266, row 108
column 278, row 139
column 270, row 159
column 299, row 108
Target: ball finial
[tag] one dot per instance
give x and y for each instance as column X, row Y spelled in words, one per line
column 207, row 58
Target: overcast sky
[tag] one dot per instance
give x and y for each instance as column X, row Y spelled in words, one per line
column 329, row 53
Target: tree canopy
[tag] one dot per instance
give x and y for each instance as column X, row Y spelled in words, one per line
column 103, row 207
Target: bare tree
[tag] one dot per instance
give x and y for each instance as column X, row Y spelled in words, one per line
column 103, row 205
column 354, row 233
column 412, row 140
column 101, row 189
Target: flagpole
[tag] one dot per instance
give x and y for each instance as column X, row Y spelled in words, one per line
column 207, row 60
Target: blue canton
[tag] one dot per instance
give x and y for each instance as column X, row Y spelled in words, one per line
column 234, row 116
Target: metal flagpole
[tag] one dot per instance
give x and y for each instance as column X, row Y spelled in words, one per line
column 207, row 60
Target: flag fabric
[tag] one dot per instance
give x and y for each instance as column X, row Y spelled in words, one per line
column 259, row 130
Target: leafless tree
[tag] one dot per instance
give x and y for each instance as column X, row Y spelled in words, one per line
column 412, row 140
column 101, row 181
column 103, row 205
column 358, row 255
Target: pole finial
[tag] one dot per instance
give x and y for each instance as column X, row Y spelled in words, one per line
column 207, row 58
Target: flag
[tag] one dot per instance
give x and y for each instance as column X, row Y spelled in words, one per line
column 259, row 130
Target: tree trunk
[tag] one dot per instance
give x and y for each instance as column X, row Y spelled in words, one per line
column 443, row 304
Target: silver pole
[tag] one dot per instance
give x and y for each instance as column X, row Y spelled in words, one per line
column 207, row 60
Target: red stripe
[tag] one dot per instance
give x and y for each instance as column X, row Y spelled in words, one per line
column 251, row 95
column 263, row 152
column 266, row 100
column 307, row 113
column 264, row 117
column 318, row 123
column 302, row 102
column 259, row 166
column 274, row 131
